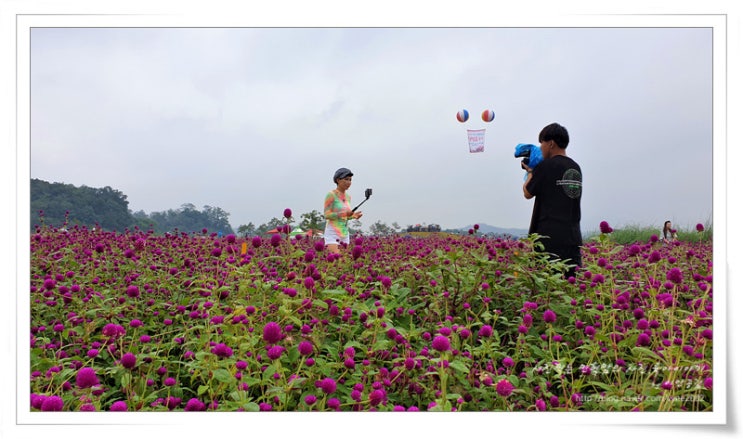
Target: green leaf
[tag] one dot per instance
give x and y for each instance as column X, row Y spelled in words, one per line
column 647, row 353
column 251, row 407
column 202, row 389
column 458, row 365
column 125, row 380
column 223, row 376
column 381, row 345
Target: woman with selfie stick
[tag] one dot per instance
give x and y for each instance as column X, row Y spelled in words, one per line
column 338, row 211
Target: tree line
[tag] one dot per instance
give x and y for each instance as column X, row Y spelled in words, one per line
column 65, row 205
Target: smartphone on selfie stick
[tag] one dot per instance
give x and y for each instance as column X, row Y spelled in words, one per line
column 367, row 194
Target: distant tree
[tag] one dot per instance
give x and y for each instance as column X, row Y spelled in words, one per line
column 381, row 229
column 354, row 227
column 188, row 219
column 57, row 204
column 217, row 219
column 64, row 203
column 247, row 229
column 312, row 221
column 270, row 225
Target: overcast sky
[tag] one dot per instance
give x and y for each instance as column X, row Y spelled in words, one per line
column 255, row 120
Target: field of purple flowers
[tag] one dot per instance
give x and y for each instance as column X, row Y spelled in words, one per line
column 190, row 322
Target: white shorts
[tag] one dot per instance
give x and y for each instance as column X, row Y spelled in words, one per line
column 332, row 238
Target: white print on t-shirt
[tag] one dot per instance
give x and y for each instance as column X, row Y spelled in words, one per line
column 572, row 183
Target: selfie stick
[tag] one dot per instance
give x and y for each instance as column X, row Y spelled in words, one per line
column 367, row 193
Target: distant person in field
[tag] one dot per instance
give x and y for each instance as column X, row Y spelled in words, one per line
column 668, row 234
column 556, row 183
column 338, row 211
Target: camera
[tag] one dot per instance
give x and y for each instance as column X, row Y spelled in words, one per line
column 367, row 192
column 531, row 154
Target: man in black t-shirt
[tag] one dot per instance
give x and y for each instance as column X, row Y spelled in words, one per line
column 557, row 183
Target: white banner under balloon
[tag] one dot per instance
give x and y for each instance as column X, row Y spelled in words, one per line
column 476, row 140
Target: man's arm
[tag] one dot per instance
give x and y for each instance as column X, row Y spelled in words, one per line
column 528, row 170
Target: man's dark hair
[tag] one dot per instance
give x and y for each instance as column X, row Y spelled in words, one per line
column 556, row 132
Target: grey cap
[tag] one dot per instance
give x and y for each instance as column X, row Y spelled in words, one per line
column 341, row 173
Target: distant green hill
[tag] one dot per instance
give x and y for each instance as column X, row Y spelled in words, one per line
column 65, row 205
column 59, row 204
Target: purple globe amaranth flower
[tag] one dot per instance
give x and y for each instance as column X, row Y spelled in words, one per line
column 643, row 340
column 86, row 377
column 169, row 381
column 309, row 282
column 113, row 330
column 327, row 385
column 275, row 240
column 272, row 332
column 540, row 405
column 52, row 404
column 485, row 331
column 700, row 227
column 357, row 252
column 305, row 348
column 310, row 399
column 654, row 257
column 221, row 350
column 634, row 249
column 504, row 388
column 675, row 275
column 129, row 360
column 334, row 403
column 386, row 281
column 132, row 291
column 274, row 352
column 356, row 395
column 549, row 316
column 287, row 213
column 194, row 405
column 527, row 320
column 441, row 343
column 605, row 227
column 119, row 406
column 508, row 362
column 377, row 396
column 37, row 400
column 256, row 241
column 665, row 299
column 172, row 402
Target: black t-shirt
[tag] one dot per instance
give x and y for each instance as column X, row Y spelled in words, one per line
column 557, row 185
